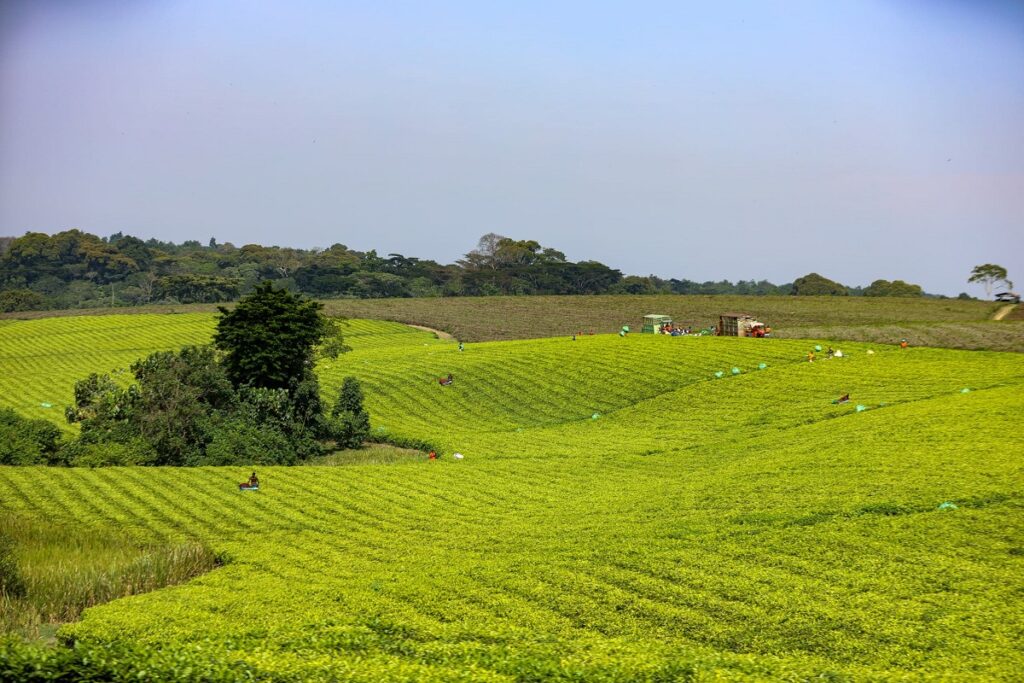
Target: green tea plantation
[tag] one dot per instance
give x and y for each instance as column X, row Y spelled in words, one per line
column 639, row 508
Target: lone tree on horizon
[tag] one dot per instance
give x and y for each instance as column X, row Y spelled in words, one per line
column 269, row 337
column 988, row 275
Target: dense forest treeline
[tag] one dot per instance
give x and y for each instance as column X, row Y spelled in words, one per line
column 75, row 269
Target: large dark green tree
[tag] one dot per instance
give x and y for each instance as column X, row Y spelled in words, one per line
column 894, row 288
column 813, row 284
column 269, row 337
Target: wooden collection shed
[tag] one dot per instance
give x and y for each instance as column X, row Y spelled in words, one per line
column 737, row 325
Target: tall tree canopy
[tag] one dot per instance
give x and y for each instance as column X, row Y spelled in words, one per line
column 988, row 275
column 268, row 338
column 894, row 288
column 813, row 284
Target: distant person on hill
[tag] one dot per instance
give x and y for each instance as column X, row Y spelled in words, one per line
column 904, row 344
column 254, row 482
column 830, row 352
column 433, row 455
column 810, row 356
column 462, row 347
column 446, row 381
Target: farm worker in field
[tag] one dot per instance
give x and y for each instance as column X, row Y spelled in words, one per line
column 830, row 352
column 253, row 480
column 903, row 343
column 445, row 381
column 462, row 347
column 433, row 455
column 810, row 356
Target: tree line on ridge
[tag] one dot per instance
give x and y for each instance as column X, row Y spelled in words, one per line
column 75, row 269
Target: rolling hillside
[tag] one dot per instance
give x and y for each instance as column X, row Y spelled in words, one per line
column 622, row 513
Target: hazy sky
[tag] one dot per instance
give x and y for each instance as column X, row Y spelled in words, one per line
column 705, row 140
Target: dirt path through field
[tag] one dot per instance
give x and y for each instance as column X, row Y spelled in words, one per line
column 439, row 333
column 1004, row 311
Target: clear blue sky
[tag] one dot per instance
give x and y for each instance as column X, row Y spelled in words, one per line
column 862, row 140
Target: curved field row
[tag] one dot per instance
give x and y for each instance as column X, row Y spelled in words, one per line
column 42, row 359
column 540, row 398
column 753, row 554
column 375, row 334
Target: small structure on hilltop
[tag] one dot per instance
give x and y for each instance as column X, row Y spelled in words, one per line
column 740, row 325
column 654, row 323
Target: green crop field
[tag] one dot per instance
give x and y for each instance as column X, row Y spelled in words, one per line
column 627, row 509
column 41, row 359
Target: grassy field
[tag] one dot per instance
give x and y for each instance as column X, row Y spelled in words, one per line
column 54, row 570
column 947, row 323
column 639, row 508
column 503, row 318
column 1004, row 335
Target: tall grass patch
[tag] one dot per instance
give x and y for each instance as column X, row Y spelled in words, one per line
column 50, row 572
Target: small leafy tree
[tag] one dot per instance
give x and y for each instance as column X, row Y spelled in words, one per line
column 333, row 343
column 176, row 394
column 988, row 275
column 349, row 419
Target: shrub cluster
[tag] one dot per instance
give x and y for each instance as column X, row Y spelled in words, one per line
column 183, row 410
column 27, row 442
